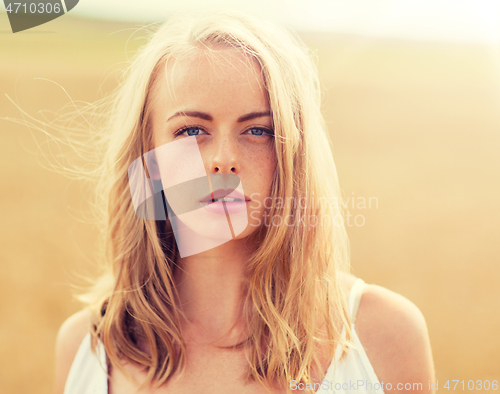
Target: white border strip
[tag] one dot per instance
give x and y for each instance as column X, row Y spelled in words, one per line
column 64, row 6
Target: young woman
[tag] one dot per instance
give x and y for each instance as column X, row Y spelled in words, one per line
column 227, row 254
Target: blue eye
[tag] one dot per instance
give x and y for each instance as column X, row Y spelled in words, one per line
column 260, row 131
column 194, row 131
column 189, row 131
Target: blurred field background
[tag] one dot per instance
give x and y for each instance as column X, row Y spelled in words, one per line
column 415, row 125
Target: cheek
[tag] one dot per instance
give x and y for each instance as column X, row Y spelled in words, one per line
column 262, row 178
column 265, row 163
column 176, row 162
column 262, row 153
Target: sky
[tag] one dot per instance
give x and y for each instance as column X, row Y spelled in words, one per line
column 441, row 20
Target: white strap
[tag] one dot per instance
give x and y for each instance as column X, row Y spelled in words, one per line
column 355, row 297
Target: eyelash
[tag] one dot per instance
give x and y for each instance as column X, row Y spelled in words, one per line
column 265, row 131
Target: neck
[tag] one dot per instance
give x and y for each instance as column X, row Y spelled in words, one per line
column 211, row 289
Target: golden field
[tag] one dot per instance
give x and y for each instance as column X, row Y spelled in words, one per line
column 414, row 125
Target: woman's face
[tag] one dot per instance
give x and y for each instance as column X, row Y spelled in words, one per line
column 214, row 104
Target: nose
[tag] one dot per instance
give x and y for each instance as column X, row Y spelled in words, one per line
column 225, row 156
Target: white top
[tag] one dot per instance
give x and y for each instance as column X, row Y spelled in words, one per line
column 352, row 374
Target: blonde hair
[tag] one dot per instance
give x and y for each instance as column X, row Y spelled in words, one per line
column 293, row 291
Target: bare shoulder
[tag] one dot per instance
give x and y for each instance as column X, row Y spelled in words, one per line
column 394, row 335
column 70, row 336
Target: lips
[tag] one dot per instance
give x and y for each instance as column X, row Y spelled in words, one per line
column 221, row 193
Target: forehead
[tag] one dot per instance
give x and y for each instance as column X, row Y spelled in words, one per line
column 210, row 80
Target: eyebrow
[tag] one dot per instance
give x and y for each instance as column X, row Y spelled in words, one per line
column 205, row 116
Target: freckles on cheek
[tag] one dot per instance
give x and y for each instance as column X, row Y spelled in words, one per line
column 263, row 166
column 262, row 159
